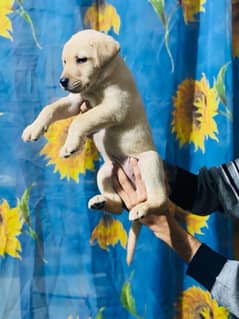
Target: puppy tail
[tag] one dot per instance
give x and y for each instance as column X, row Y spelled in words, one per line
column 132, row 238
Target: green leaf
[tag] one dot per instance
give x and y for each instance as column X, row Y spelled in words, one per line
column 219, row 84
column 23, row 13
column 28, row 19
column 24, row 206
column 221, row 92
column 32, row 233
column 99, row 314
column 158, row 6
column 127, row 299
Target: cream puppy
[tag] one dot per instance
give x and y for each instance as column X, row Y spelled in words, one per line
column 94, row 72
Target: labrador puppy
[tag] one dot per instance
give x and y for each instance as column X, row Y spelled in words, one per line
column 94, row 72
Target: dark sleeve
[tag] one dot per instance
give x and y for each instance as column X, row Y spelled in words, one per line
column 216, row 188
column 218, row 275
column 195, row 193
column 183, row 188
column 205, row 266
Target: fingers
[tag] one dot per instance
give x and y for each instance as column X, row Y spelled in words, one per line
column 140, row 186
column 124, row 180
column 135, row 166
column 130, row 194
column 123, row 186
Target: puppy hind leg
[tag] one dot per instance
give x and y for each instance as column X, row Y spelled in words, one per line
column 108, row 200
column 152, row 172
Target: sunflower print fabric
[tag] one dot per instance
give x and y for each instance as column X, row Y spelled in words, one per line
column 197, row 303
column 6, row 24
column 58, row 259
column 71, row 167
column 10, row 229
column 195, row 106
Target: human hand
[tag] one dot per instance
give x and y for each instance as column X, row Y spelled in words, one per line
column 130, row 194
column 161, row 220
column 133, row 195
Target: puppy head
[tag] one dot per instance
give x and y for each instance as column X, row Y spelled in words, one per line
column 83, row 57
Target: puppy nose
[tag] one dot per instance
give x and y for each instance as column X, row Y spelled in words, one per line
column 64, row 82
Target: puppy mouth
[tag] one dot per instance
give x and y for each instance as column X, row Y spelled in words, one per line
column 77, row 87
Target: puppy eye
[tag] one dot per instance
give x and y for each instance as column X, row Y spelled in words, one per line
column 64, row 61
column 81, row 60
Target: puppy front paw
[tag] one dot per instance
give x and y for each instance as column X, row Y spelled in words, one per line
column 33, row 132
column 72, row 146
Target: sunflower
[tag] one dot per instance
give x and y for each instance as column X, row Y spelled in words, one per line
column 235, row 28
column 191, row 8
column 102, row 16
column 74, row 165
column 108, row 232
column 5, row 22
column 194, row 223
column 195, row 106
column 196, row 303
column 10, row 228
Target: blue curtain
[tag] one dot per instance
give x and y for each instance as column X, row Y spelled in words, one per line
column 58, row 259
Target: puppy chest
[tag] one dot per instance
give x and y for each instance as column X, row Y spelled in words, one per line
column 109, row 145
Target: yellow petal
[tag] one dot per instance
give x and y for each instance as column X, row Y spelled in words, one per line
column 13, row 247
column 5, row 27
column 10, row 227
column 8, row 4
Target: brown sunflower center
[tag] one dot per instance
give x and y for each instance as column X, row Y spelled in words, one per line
column 1, row 219
column 199, row 99
column 203, row 312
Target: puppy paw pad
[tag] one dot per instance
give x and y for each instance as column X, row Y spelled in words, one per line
column 99, row 205
column 98, row 202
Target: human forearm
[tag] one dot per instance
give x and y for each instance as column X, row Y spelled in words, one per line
column 168, row 230
column 181, row 241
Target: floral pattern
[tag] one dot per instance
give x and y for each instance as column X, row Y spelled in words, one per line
column 10, row 229
column 195, row 108
column 71, row 167
column 102, row 16
column 109, row 231
column 196, row 303
column 194, row 223
column 191, row 8
column 6, row 7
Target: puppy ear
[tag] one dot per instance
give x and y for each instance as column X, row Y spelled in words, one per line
column 106, row 49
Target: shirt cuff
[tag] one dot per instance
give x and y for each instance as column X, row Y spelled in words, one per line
column 205, row 266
